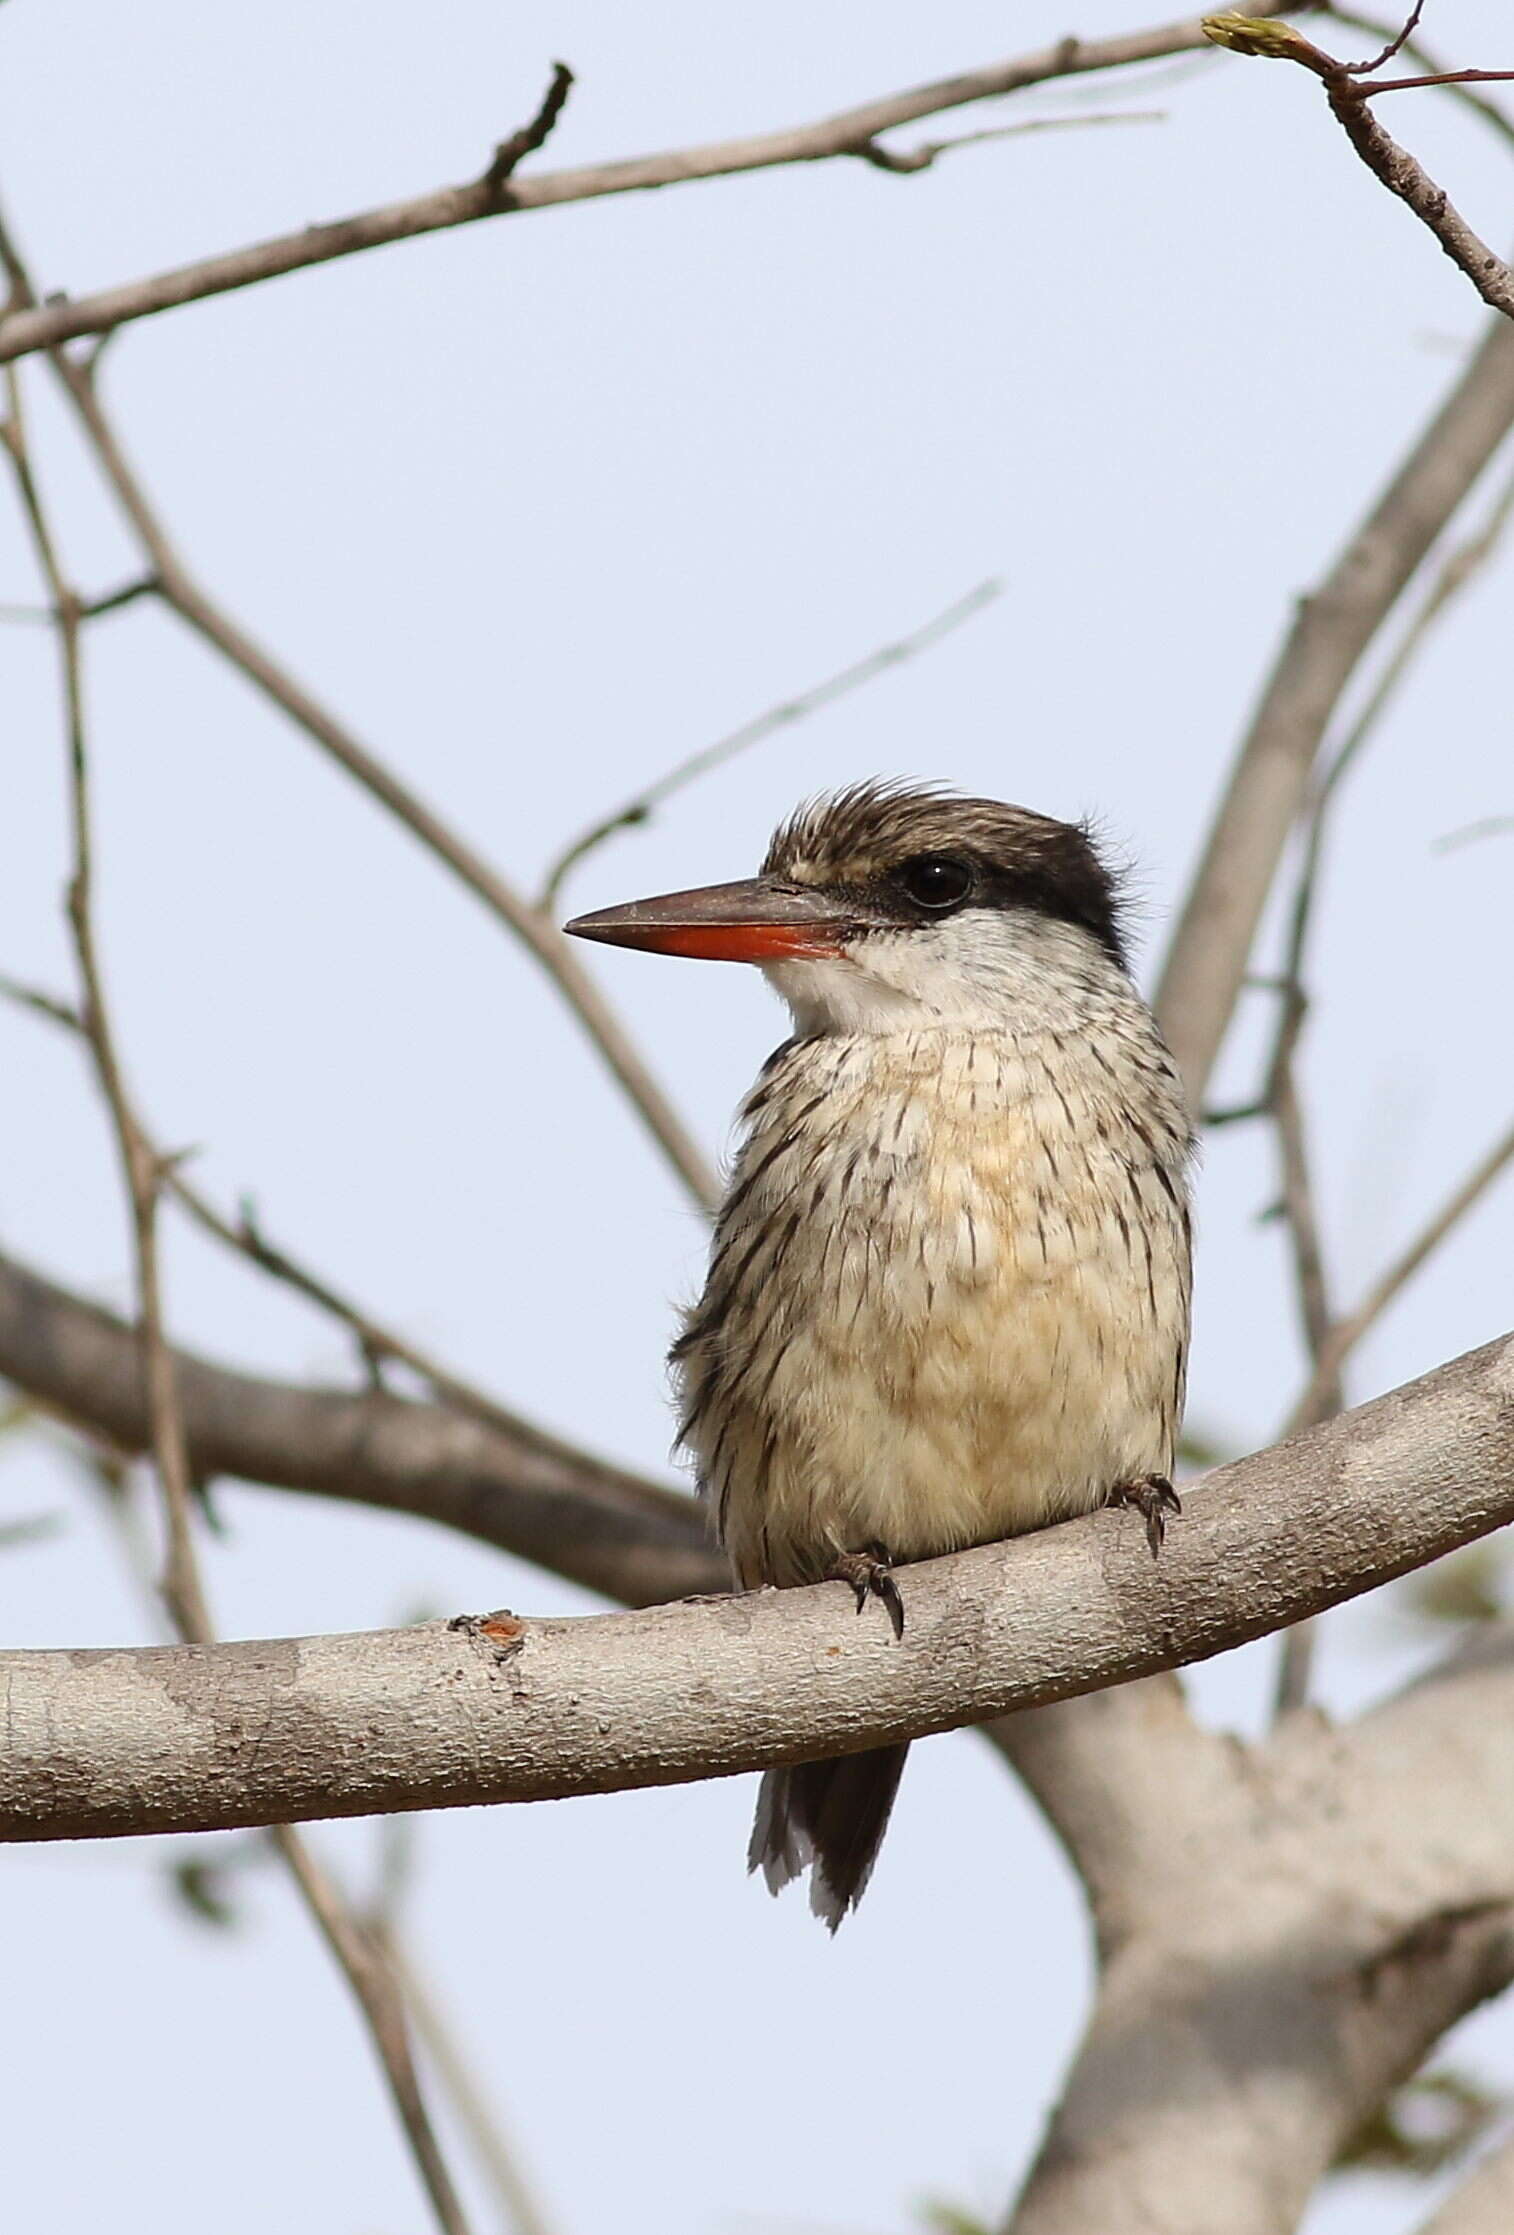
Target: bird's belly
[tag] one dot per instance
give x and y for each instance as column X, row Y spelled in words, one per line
column 959, row 1364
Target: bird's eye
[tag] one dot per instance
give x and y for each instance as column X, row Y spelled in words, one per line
column 936, row 881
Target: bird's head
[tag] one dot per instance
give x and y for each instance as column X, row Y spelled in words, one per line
column 885, row 909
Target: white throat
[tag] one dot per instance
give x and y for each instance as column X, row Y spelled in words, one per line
column 982, row 970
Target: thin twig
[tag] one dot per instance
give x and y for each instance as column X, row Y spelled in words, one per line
column 140, row 1168
column 378, row 1990
column 1490, row 826
column 476, row 2114
column 1395, row 44
column 1300, row 1212
column 537, row 932
column 1348, row 1332
column 89, row 609
column 1489, row 111
column 1279, row 1097
column 909, row 160
column 1348, row 96
column 1437, row 77
column 533, row 135
column 1267, row 788
column 144, row 1175
column 41, row 1004
column 31, row 325
column 245, row 1235
column 639, row 809
column 1451, row 578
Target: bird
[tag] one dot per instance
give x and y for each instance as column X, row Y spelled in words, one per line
column 948, row 1294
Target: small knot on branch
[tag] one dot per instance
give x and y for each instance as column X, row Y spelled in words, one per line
column 531, row 136
column 888, row 159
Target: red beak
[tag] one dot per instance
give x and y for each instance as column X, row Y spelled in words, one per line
column 758, row 920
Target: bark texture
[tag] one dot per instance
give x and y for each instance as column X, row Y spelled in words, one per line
column 103, row 1743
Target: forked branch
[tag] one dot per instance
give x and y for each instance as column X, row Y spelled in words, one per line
column 843, row 137
column 1349, row 94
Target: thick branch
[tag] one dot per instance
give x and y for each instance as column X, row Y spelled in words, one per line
column 1302, row 1945
column 1115, row 1773
column 845, row 135
column 600, row 1526
column 1333, row 628
column 197, row 1738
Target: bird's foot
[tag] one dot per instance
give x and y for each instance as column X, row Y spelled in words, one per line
column 1153, row 1498
column 871, row 1576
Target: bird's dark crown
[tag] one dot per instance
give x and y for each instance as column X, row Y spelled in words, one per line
column 914, row 854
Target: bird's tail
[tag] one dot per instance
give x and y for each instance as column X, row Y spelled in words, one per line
column 828, row 1817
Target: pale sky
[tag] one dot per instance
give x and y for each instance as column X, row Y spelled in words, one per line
column 540, row 507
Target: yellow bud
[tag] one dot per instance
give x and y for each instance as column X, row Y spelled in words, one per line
column 1279, row 42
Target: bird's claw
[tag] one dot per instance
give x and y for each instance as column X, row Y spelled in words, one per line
column 871, row 1577
column 1153, row 1498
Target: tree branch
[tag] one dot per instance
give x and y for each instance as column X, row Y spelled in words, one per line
column 904, row 162
column 640, row 809
column 1302, row 1945
column 1480, row 105
column 44, row 326
column 540, row 936
column 1116, row 1774
column 378, row 1344
column 359, row 1957
column 104, row 1743
column 1347, row 1332
column 1348, row 96
column 141, row 1169
column 599, row 1525
column 1207, row 957
column 530, row 137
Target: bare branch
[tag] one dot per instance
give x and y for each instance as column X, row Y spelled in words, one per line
column 531, row 136
column 1304, row 1940
column 1490, row 826
column 43, row 326
column 1395, row 44
column 41, row 1004
column 140, row 1168
column 1296, row 1657
column 640, row 809
column 1348, row 1332
column 537, row 933
column 906, row 161
column 1398, row 170
column 377, row 1343
column 378, row 1993
column 105, row 1743
column 1279, row 1097
column 143, row 1172
column 1456, row 571
column 89, row 609
column 1207, row 958
column 1116, row 1773
column 1488, row 110
column 596, row 1524
column 475, row 2114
